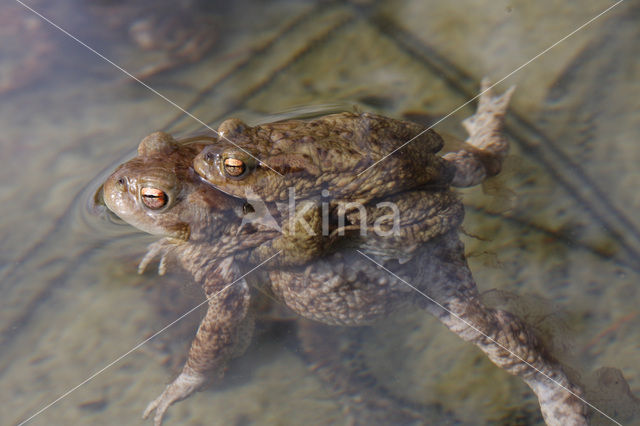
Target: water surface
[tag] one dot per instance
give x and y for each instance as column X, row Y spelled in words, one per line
column 560, row 224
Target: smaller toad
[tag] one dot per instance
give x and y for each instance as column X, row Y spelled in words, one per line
column 340, row 155
column 333, row 153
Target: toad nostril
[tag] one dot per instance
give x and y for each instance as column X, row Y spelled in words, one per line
column 209, row 157
column 122, row 183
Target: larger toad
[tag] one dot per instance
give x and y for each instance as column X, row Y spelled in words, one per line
column 341, row 287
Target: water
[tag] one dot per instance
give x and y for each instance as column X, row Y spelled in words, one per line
column 559, row 224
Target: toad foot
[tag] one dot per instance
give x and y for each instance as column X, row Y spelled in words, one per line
column 161, row 247
column 183, row 386
column 486, row 147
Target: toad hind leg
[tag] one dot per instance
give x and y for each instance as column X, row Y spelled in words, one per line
column 446, row 288
column 224, row 333
column 510, row 344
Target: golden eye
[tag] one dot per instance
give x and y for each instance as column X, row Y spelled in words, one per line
column 234, row 167
column 154, row 198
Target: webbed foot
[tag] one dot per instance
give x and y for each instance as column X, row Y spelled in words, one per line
column 183, row 386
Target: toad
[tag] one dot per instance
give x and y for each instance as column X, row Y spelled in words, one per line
column 332, row 160
column 338, row 153
column 331, row 153
column 158, row 193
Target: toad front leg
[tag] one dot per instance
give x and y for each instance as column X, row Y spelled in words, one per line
column 302, row 237
column 223, row 334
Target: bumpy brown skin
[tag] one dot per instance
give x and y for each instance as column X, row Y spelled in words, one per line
column 349, row 289
column 338, row 153
column 328, row 158
column 332, row 153
column 205, row 235
column 335, row 158
column 425, row 266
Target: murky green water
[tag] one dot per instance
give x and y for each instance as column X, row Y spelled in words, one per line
column 561, row 223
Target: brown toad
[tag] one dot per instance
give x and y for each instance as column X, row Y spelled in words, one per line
column 331, row 153
column 332, row 159
column 319, row 161
column 337, row 153
column 424, row 262
column 159, row 191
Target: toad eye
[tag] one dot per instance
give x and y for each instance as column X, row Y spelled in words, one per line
column 153, row 198
column 234, row 167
